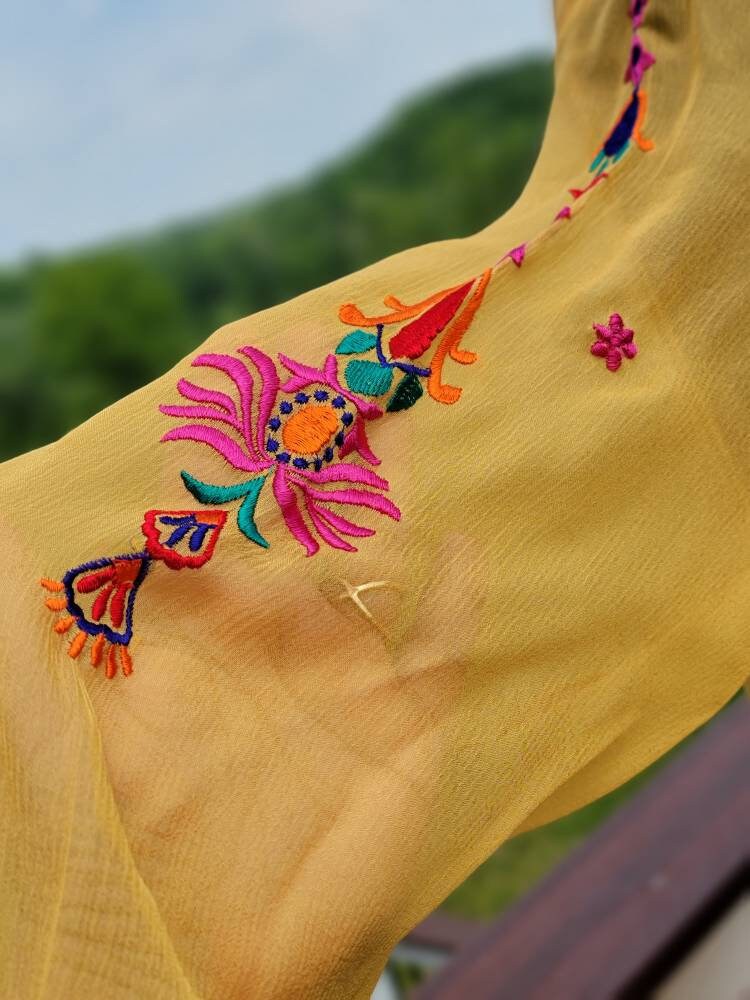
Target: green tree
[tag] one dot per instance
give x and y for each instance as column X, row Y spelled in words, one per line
column 79, row 332
column 101, row 326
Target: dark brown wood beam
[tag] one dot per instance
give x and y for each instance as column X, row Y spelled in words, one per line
column 626, row 905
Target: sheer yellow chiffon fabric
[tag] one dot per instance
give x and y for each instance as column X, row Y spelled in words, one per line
column 287, row 784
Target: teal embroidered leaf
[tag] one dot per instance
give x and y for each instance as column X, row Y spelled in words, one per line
column 407, row 393
column 246, row 516
column 368, row 377
column 357, row 342
column 207, row 493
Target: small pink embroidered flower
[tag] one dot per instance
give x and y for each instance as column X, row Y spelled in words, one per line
column 615, row 342
column 300, row 431
column 640, row 60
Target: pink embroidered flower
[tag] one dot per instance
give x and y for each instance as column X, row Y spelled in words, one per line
column 301, row 429
column 614, row 343
column 637, row 11
column 640, row 60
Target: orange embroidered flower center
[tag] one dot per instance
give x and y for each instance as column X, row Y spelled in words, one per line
column 309, row 429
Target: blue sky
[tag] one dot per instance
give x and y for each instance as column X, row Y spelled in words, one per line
column 117, row 116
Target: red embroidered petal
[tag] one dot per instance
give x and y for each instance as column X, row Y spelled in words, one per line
column 117, row 606
column 100, row 604
column 182, row 538
column 414, row 338
column 92, row 581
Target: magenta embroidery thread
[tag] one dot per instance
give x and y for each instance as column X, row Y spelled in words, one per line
column 614, row 342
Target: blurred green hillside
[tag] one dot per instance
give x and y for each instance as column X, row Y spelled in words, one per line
column 78, row 332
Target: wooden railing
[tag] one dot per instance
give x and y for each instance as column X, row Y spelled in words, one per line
column 631, row 902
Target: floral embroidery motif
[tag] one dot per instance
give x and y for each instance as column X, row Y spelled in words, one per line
column 299, row 434
column 199, row 529
column 614, row 342
column 448, row 313
column 305, row 430
column 628, row 125
column 98, row 597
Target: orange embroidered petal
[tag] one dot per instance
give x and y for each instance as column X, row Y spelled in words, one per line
column 352, row 315
column 644, row 144
column 97, row 650
column 462, row 357
column 111, row 662
column 449, row 343
column 76, row 645
column 126, row 661
column 54, row 585
column 395, row 303
column 63, row 624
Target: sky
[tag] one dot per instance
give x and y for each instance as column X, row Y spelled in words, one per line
column 119, row 115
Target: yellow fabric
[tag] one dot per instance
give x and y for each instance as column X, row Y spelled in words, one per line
column 284, row 787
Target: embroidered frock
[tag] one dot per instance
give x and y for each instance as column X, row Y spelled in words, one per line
column 382, row 576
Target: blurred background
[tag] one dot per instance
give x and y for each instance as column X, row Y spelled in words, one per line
column 169, row 167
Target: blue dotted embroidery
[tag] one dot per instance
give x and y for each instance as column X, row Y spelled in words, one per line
column 301, row 399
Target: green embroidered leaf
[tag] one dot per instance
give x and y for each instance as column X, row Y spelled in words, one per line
column 407, row 393
column 209, row 494
column 246, row 516
column 368, row 377
column 357, row 342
